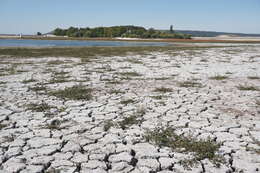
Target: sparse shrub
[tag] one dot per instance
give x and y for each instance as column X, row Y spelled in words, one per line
column 134, row 61
column 163, row 90
column 108, row 124
column 253, row 77
column 248, row 88
column 131, row 74
column 126, row 102
column 28, row 81
column 219, row 77
column 77, row 92
column 188, row 84
column 129, row 121
column 38, row 87
column 158, row 97
column 202, row 149
column 42, row 107
column 2, row 126
column 116, row 91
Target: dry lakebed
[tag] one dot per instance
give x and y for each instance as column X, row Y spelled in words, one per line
column 137, row 110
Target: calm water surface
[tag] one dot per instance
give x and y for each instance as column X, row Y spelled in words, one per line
column 65, row 43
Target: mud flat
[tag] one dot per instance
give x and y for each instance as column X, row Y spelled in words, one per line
column 157, row 110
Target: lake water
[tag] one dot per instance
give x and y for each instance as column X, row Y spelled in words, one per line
column 66, row 43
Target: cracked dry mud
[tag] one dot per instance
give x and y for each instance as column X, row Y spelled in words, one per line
column 210, row 93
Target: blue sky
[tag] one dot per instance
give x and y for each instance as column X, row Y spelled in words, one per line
column 30, row 16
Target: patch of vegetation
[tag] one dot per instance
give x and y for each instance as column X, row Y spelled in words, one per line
column 38, row 87
column 163, row 90
column 203, row 60
column 114, row 82
column 2, row 126
column 87, row 54
column 39, row 107
column 107, row 125
column 9, row 138
column 126, row 102
column 201, row 149
column 257, row 102
column 116, row 91
column 131, row 74
column 134, row 61
column 26, row 81
column 188, row 84
column 61, row 78
column 77, row 92
column 12, row 70
column 54, row 125
column 248, row 88
column 62, row 73
column 136, row 118
column 2, row 82
column 129, row 121
column 158, row 97
column 9, row 70
column 253, row 77
column 219, row 77
column 55, row 62
column 228, row 72
column 162, row 78
column 52, row 170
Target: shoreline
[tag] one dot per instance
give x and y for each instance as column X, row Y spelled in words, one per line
column 196, row 40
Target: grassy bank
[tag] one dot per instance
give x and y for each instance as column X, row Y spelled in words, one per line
column 84, row 52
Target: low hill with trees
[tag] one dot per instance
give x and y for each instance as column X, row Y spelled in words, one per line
column 119, row 31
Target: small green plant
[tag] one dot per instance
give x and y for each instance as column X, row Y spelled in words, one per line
column 129, row 121
column 116, row 91
column 108, row 124
column 203, row 60
column 219, row 77
column 77, row 92
column 158, row 97
column 54, row 125
column 12, row 70
column 134, row 61
column 248, row 88
column 39, row 107
column 62, row 73
column 162, row 78
column 163, row 90
column 126, row 102
column 188, row 84
column 228, row 72
column 253, row 77
column 2, row 82
column 257, row 102
column 28, row 81
column 58, row 79
column 131, row 74
column 55, row 62
column 2, row 126
column 113, row 82
column 38, row 87
column 52, row 170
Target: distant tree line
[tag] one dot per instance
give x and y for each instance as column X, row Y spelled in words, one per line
column 119, row 31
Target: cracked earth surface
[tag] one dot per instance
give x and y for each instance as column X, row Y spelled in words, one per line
column 69, row 136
